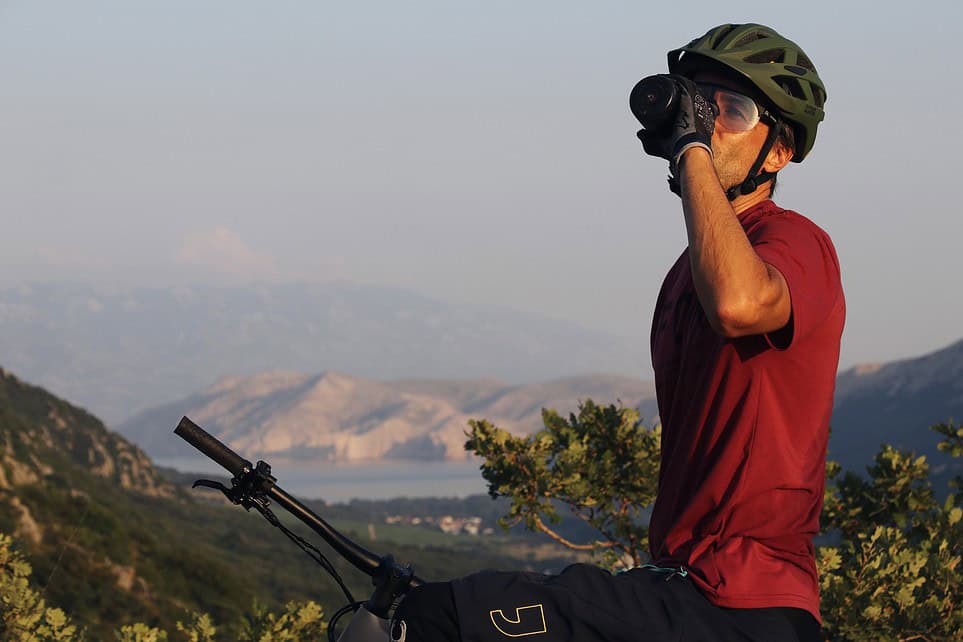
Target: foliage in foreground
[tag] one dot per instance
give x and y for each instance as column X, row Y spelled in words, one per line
column 25, row 617
column 891, row 573
column 895, row 574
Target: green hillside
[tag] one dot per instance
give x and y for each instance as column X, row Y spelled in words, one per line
column 112, row 541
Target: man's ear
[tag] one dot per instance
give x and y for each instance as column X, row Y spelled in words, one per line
column 777, row 158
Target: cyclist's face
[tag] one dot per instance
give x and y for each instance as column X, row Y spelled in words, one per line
column 733, row 151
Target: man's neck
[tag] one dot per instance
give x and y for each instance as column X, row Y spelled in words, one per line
column 746, row 201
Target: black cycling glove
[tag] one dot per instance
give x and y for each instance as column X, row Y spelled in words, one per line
column 694, row 122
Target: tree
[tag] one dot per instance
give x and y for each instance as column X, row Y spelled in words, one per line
column 891, row 573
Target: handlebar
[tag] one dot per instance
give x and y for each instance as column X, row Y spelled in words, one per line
column 210, row 446
column 358, row 556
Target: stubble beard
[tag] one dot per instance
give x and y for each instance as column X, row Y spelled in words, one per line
column 728, row 170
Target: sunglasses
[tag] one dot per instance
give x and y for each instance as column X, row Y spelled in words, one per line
column 736, row 112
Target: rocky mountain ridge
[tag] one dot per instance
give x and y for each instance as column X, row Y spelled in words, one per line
column 32, row 448
column 336, row 417
column 43, row 438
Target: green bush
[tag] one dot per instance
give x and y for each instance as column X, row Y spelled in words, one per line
column 24, row 615
column 895, row 573
column 296, row 623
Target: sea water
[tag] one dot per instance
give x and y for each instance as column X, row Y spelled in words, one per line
column 367, row 480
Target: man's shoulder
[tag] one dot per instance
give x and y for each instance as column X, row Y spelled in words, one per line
column 774, row 219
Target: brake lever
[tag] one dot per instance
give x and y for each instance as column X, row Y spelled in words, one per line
column 249, row 488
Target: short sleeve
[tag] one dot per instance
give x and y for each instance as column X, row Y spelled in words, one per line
column 804, row 255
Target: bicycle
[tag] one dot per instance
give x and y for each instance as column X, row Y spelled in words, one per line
column 253, row 486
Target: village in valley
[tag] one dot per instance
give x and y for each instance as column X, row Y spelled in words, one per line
column 445, row 523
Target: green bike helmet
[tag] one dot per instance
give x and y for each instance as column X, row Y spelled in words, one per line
column 777, row 67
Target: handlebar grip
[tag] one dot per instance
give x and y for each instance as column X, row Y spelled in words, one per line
column 210, row 446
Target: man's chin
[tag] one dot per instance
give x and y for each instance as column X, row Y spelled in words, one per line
column 727, row 178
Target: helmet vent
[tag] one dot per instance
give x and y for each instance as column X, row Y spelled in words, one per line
column 749, row 38
column 721, row 35
column 770, row 55
column 803, row 61
column 791, row 86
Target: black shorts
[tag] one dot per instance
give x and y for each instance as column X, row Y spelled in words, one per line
column 588, row 604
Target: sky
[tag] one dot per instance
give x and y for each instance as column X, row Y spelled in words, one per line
column 477, row 152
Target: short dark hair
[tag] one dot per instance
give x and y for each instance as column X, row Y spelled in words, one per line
column 786, row 136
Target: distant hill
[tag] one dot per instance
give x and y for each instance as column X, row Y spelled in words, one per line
column 120, row 350
column 337, row 417
column 896, row 403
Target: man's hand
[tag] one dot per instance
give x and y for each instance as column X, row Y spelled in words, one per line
column 694, row 123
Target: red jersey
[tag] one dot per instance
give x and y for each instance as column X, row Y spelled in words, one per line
column 745, row 425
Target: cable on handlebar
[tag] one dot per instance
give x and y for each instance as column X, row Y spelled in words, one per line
column 308, row 548
column 249, row 489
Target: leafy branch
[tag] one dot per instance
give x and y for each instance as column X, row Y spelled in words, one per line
column 601, row 462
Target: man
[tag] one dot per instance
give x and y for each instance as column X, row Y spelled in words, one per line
column 745, row 345
column 745, row 338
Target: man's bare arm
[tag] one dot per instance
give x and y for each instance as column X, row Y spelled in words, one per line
column 740, row 294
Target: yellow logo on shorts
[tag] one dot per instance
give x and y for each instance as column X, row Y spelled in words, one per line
column 528, row 620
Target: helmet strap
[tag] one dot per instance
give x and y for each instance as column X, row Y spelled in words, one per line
column 755, row 178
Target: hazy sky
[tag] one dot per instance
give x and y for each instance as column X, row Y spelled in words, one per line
column 475, row 151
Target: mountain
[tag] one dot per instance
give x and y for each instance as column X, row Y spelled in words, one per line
column 896, row 403
column 119, row 350
column 337, row 417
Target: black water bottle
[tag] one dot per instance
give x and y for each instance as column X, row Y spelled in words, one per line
column 654, row 101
